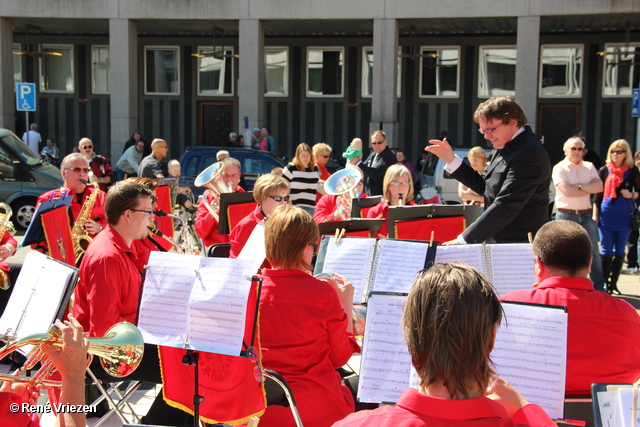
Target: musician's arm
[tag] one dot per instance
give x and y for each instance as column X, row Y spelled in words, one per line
column 205, row 223
column 8, row 246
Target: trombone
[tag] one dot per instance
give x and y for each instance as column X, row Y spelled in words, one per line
column 120, row 352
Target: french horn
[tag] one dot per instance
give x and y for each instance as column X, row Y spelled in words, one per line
column 343, row 184
column 211, row 178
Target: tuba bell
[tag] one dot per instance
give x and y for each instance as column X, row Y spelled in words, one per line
column 211, row 178
column 343, row 184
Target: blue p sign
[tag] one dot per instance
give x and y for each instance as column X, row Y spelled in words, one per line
column 26, row 97
column 635, row 103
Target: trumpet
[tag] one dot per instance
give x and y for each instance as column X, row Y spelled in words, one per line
column 211, row 178
column 120, row 351
column 343, row 184
column 358, row 313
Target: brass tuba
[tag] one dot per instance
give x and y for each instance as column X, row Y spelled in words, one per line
column 120, row 351
column 211, row 178
column 79, row 238
column 358, row 313
column 343, row 184
column 4, row 224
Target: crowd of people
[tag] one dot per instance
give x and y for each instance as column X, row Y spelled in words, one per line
column 306, row 330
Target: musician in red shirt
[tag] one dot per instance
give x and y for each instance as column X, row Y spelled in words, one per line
column 305, row 323
column 450, row 320
column 397, row 190
column 8, row 247
column 206, row 225
column 603, row 338
column 327, row 207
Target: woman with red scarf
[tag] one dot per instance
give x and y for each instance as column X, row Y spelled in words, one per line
column 614, row 207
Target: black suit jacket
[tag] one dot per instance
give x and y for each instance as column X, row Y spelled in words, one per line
column 515, row 186
column 374, row 172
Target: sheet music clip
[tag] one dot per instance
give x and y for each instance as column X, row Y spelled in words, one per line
column 340, row 234
column 431, row 239
column 197, row 272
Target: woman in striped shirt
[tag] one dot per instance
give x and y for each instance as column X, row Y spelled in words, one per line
column 303, row 177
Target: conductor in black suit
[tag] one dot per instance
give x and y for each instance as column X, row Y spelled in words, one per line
column 515, row 185
column 375, row 166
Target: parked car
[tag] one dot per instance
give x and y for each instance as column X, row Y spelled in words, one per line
column 24, row 176
column 254, row 163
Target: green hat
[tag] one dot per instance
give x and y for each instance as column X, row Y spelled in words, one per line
column 351, row 153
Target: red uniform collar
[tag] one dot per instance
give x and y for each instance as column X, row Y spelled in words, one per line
column 449, row 409
column 567, row 282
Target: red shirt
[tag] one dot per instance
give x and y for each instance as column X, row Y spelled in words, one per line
column 324, row 175
column 143, row 248
column 15, row 419
column 7, row 238
column 110, row 284
column 100, row 168
column 303, row 333
column 383, row 208
column 241, row 232
column 603, row 334
column 415, row 409
column 326, row 207
column 206, row 226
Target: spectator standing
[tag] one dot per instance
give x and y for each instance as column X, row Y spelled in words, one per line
column 51, row 153
column 150, row 166
column 322, row 153
column 233, row 139
column 32, row 138
column 135, row 137
column 303, row 177
column 240, row 141
column 256, row 136
column 100, row 170
column 376, row 164
column 634, row 237
column 267, row 142
column 402, row 159
column 129, row 163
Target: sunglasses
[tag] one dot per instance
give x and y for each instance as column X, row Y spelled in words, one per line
column 377, row 143
column 280, row 198
column 617, row 151
column 78, row 170
column 87, row 146
column 577, row 148
column 325, row 157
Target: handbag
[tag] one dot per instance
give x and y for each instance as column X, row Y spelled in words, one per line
column 635, row 217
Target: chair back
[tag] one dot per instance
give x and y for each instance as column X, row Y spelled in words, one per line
column 219, row 250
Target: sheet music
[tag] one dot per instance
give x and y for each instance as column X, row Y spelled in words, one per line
column 531, row 354
column 398, row 264
column 512, row 267
column 167, row 287
column 607, row 405
column 470, row 254
column 623, row 413
column 386, row 363
column 351, row 258
column 254, row 249
column 218, row 305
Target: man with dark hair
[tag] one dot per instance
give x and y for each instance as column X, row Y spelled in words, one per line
column 515, row 185
column 376, row 165
column 449, row 323
column 604, row 332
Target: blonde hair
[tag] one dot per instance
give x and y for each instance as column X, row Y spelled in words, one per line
column 568, row 142
column 394, row 172
column 320, row 148
column 478, row 153
column 624, row 145
column 267, row 184
column 287, row 233
column 296, row 159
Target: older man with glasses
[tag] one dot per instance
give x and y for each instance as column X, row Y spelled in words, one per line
column 100, row 171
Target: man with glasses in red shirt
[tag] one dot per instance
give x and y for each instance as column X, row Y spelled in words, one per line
column 515, row 185
column 376, row 164
column 100, row 171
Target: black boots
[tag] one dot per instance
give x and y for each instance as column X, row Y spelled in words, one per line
column 606, row 271
column 616, row 268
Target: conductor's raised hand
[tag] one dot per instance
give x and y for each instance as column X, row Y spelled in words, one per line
column 442, row 149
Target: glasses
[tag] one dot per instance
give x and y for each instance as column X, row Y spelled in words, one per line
column 617, row 151
column 377, row 143
column 489, row 130
column 154, row 200
column 78, row 170
column 280, row 198
column 87, row 146
column 325, row 157
column 398, row 184
column 139, row 210
column 577, row 148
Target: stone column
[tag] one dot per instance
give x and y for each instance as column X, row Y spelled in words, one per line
column 384, row 106
column 251, row 76
column 123, row 57
column 527, row 66
column 8, row 96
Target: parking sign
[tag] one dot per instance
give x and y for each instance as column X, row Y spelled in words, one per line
column 635, row 105
column 26, row 97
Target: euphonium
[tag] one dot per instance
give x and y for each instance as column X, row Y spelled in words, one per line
column 343, row 184
column 211, row 178
column 358, row 313
column 120, row 351
column 4, row 224
column 79, row 238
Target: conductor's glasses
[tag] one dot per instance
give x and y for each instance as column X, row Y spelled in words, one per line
column 489, row 130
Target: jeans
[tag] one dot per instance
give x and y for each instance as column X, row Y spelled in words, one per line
column 614, row 242
column 587, row 222
column 120, row 174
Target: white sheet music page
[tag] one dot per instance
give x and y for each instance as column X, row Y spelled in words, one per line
column 351, row 257
column 218, row 305
column 386, row 363
column 512, row 267
column 623, row 413
column 36, row 296
column 399, row 263
column 470, row 254
column 531, row 354
column 254, row 249
column 167, row 287
column 607, row 405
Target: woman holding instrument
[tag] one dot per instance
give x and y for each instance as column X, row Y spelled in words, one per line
column 398, row 191
column 305, row 329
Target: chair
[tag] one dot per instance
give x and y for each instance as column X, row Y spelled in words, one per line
column 116, row 398
column 220, row 250
column 279, row 393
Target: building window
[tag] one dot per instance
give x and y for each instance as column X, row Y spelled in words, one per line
column 619, row 69
column 215, row 71
column 497, row 71
column 161, row 70
column 439, row 71
column 367, row 72
column 561, row 71
column 100, row 69
column 17, row 63
column 325, row 71
column 276, row 71
column 56, row 68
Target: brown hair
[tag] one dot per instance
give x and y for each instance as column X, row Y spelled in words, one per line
column 147, row 182
column 449, row 320
column 394, row 172
column 296, row 159
column 122, row 196
column 287, row 233
column 564, row 245
column 378, row 132
column 267, row 184
column 503, row 108
column 621, row 144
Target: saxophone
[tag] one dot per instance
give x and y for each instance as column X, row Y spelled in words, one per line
column 4, row 223
column 78, row 235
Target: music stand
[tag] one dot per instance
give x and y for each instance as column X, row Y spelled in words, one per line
column 367, row 202
column 35, row 232
column 399, row 213
column 228, row 199
column 371, row 225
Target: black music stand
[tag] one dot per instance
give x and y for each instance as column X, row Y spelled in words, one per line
column 367, row 202
column 35, row 232
column 356, row 224
column 400, row 213
column 227, row 199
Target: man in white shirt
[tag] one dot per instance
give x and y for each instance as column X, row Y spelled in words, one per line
column 32, row 138
column 575, row 181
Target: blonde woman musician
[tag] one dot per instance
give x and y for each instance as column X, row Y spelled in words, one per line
column 398, row 190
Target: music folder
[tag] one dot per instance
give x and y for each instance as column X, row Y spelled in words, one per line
column 226, row 201
column 367, row 202
column 405, row 213
column 371, row 225
column 35, row 232
column 614, row 404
